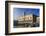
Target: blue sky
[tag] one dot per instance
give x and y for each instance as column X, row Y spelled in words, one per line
column 20, row 11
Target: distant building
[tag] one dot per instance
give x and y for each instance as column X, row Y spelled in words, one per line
column 27, row 19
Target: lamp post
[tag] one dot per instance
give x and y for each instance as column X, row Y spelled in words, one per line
column 24, row 19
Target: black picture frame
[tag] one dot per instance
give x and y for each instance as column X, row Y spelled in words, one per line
column 7, row 13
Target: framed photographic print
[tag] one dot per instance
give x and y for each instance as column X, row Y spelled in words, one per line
column 24, row 17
